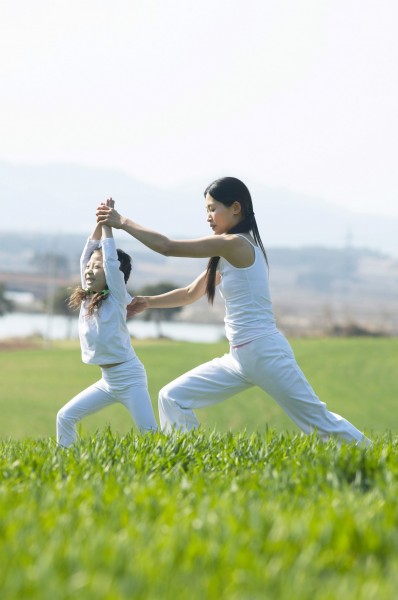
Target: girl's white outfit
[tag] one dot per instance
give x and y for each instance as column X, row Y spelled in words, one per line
column 105, row 339
column 259, row 355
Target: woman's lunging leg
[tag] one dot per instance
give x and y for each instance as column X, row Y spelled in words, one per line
column 205, row 385
column 270, row 364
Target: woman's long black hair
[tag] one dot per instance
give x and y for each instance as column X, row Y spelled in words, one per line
column 228, row 190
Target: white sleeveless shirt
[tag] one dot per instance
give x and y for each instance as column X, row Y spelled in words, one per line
column 248, row 307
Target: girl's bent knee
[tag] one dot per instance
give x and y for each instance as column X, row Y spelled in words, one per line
column 64, row 416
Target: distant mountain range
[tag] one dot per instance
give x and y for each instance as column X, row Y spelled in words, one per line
column 62, row 199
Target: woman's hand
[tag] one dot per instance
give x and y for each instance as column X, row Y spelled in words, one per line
column 106, row 215
column 137, row 305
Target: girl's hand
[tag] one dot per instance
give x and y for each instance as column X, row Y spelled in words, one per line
column 137, row 305
column 107, row 215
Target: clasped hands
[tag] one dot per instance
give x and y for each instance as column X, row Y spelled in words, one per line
column 107, row 215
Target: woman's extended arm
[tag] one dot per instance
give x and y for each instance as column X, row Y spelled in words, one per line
column 178, row 297
column 231, row 247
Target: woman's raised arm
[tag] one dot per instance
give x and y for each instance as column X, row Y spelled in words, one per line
column 228, row 246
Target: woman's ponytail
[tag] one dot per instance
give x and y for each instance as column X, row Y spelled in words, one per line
column 228, row 190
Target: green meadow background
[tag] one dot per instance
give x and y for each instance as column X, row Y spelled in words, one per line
column 357, row 378
column 246, row 508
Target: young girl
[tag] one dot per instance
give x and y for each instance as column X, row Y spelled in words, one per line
column 259, row 354
column 105, row 340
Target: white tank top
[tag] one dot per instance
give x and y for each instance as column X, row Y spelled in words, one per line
column 248, row 307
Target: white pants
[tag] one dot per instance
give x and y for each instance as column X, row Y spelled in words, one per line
column 267, row 362
column 126, row 383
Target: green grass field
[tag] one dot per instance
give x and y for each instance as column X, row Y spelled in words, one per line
column 244, row 509
column 355, row 377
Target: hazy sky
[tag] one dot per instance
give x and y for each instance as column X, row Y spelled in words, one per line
column 298, row 94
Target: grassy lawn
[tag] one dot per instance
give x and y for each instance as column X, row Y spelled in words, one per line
column 355, row 377
column 198, row 515
column 244, row 509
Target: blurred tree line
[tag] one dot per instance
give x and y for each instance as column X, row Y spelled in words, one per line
column 6, row 305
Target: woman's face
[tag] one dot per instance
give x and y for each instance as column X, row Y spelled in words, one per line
column 94, row 274
column 220, row 217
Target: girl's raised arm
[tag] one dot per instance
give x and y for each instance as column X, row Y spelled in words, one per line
column 106, row 228
column 97, row 232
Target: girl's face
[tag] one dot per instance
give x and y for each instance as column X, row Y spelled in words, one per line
column 94, row 274
column 220, row 217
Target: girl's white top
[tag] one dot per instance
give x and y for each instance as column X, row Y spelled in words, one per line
column 104, row 337
column 248, row 307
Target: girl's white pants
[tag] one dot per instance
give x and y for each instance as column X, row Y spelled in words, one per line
column 268, row 363
column 126, row 383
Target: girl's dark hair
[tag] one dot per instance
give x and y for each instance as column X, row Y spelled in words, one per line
column 228, row 190
column 125, row 264
column 79, row 294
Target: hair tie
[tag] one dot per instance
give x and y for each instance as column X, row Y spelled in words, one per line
column 92, row 292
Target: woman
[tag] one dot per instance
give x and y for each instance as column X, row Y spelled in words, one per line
column 259, row 354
